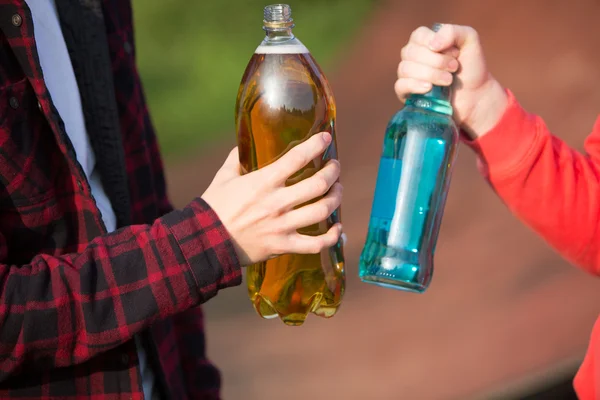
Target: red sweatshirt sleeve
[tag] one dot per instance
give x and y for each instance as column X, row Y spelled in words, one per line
column 552, row 188
column 59, row 311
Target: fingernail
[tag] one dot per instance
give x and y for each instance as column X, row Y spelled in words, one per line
column 426, row 85
column 326, row 137
column 344, row 238
column 453, row 65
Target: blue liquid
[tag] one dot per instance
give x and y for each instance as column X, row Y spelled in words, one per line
column 410, row 195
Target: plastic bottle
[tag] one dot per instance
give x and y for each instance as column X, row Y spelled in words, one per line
column 284, row 98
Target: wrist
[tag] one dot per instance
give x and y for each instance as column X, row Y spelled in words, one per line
column 491, row 105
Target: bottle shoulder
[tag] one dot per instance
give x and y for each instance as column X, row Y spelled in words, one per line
column 419, row 115
column 422, row 122
column 283, row 45
column 286, row 76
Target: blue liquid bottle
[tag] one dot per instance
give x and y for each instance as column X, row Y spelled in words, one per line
column 419, row 151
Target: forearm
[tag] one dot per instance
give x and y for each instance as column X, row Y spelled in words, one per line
column 549, row 186
column 67, row 309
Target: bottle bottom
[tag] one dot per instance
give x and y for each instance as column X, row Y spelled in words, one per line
column 393, row 284
column 395, row 271
column 292, row 286
column 267, row 310
column 403, row 263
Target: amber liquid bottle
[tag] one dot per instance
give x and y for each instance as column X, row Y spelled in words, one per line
column 283, row 99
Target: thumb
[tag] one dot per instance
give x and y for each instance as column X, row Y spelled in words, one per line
column 231, row 167
column 453, row 36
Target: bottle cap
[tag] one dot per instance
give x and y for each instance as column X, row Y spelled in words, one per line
column 278, row 13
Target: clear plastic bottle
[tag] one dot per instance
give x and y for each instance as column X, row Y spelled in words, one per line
column 419, row 151
column 284, row 98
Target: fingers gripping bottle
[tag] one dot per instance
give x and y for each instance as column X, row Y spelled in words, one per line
column 284, row 99
column 419, row 151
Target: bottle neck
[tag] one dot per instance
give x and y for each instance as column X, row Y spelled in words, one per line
column 278, row 34
column 436, row 100
column 278, row 24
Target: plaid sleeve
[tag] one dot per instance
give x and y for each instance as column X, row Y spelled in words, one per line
column 59, row 311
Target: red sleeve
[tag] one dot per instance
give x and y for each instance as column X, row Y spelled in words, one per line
column 549, row 186
column 59, row 311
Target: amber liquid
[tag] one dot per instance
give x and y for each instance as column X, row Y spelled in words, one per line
column 284, row 99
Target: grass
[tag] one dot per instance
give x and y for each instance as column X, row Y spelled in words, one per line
column 192, row 54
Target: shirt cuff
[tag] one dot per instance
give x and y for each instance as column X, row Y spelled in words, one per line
column 509, row 144
column 207, row 247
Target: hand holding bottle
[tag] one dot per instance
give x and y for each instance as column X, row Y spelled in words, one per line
column 430, row 58
column 260, row 212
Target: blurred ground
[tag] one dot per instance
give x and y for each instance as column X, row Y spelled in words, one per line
column 503, row 312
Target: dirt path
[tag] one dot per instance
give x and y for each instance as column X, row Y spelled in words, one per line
column 502, row 306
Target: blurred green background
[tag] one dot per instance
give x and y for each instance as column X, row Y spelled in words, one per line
column 192, row 58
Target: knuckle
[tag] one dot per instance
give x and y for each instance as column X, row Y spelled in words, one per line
column 404, row 69
column 450, row 29
column 399, row 88
column 427, row 73
column 320, row 184
column 405, row 52
column 296, row 158
column 335, row 192
column 316, row 246
column 440, row 61
column 443, row 76
column 263, row 182
column 277, row 206
column 277, row 247
column 316, row 143
column 472, row 33
column 329, row 241
column 337, row 201
column 336, row 237
column 400, row 69
column 324, row 210
column 265, row 212
column 418, row 33
column 401, row 92
column 336, row 168
column 280, row 229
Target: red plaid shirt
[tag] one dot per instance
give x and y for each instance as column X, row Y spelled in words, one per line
column 72, row 296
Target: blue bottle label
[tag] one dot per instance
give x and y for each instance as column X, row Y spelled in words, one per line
column 388, row 180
